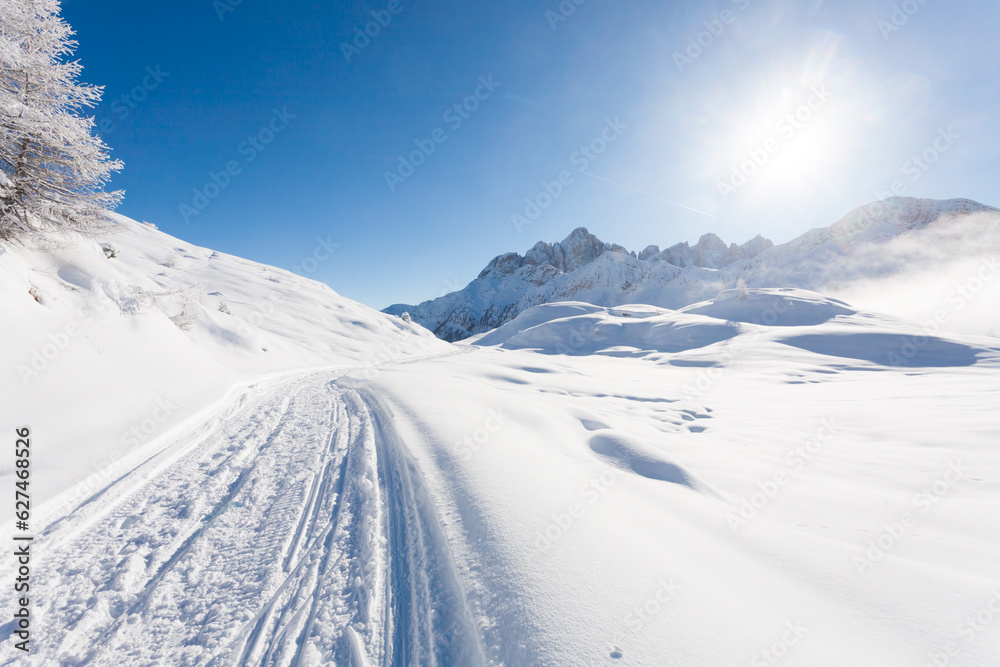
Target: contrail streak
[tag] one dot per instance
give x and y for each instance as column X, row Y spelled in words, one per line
column 601, row 178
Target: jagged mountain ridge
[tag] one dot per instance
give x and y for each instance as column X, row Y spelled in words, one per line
column 581, row 248
column 584, row 268
column 581, row 267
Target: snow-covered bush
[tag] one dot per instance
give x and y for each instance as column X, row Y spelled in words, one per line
column 188, row 315
column 131, row 299
column 183, row 303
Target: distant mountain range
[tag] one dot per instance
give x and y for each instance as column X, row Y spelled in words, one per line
column 584, row 268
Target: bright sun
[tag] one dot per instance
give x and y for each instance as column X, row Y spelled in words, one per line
column 785, row 144
column 795, row 134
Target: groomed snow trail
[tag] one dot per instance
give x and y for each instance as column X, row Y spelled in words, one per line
column 292, row 530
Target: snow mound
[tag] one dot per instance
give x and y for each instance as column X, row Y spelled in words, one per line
column 773, row 307
column 785, row 317
column 582, row 329
column 533, row 317
column 633, row 456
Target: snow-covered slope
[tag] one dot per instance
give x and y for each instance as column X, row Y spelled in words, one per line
column 786, row 496
column 132, row 345
column 780, row 479
column 885, row 241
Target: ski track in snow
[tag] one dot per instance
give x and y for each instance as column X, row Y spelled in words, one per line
column 291, row 530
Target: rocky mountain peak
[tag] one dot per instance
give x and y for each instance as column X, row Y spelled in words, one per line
column 677, row 276
column 710, row 241
column 580, row 248
column 650, row 252
column 502, row 265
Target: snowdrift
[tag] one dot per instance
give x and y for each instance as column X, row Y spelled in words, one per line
column 793, row 317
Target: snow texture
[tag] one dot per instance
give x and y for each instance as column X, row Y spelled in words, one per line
column 772, row 477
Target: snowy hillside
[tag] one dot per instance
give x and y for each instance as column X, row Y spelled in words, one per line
column 131, row 345
column 763, row 475
column 870, row 250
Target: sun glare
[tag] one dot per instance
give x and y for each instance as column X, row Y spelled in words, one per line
column 795, row 133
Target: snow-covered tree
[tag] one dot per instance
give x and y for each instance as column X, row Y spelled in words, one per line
column 53, row 170
column 742, row 291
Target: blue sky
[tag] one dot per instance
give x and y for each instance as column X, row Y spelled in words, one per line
column 668, row 100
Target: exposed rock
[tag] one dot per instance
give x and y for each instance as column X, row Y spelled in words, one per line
column 583, row 268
